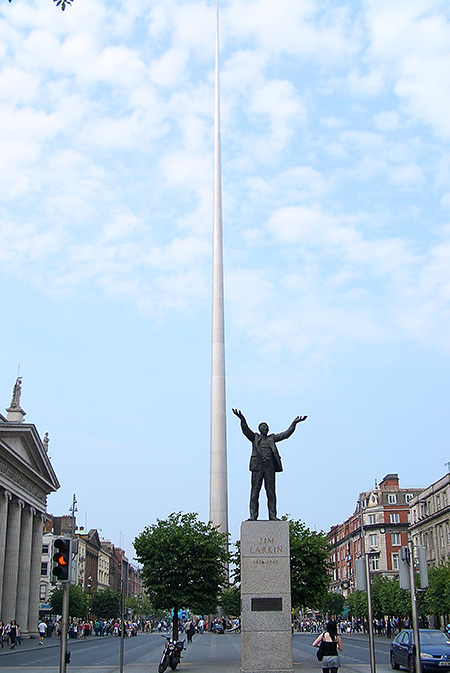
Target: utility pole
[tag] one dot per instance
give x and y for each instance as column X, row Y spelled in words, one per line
column 122, row 616
column 415, row 618
column 64, row 625
column 408, row 582
column 64, row 655
column 366, row 556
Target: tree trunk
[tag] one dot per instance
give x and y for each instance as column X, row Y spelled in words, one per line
column 175, row 624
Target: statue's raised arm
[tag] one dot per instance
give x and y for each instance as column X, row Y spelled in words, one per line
column 244, row 425
column 299, row 419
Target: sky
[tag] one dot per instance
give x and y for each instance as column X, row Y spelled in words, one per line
column 335, row 132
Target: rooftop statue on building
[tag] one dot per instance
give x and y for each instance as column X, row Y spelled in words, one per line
column 15, row 402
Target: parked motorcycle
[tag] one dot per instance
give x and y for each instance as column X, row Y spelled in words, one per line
column 171, row 654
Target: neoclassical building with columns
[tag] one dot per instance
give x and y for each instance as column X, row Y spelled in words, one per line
column 26, row 479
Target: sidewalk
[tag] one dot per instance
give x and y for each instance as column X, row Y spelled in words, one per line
column 186, row 665
column 33, row 644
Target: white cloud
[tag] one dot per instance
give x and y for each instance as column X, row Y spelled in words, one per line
column 388, row 120
column 293, row 27
column 412, row 41
column 107, row 136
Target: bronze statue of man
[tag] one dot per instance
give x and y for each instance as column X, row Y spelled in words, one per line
column 264, row 462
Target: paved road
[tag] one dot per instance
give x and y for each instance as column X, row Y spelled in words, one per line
column 207, row 654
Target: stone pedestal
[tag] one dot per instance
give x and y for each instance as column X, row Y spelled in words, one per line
column 266, row 597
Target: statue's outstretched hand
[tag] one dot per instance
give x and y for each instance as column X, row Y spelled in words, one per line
column 239, row 414
column 299, row 419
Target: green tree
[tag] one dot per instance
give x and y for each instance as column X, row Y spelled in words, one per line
column 333, row 604
column 139, row 605
column 230, row 601
column 78, row 601
column 437, row 599
column 357, row 603
column 60, row 3
column 105, row 603
column 309, row 566
column 395, row 602
column 184, row 563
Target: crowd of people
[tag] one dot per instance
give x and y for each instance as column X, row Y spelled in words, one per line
column 83, row 628
column 382, row 627
column 10, row 634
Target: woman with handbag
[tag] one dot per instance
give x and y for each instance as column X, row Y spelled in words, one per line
column 329, row 643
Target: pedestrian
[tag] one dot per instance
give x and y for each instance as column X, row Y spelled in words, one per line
column 2, row 631
column 190, row 630
column 18, row 635
column 42, row 629
column 332, row 643
column 12, row 632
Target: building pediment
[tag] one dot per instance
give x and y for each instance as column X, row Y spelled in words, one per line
column 25, row 468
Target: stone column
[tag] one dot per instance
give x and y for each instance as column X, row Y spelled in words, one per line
column 35, row 573
column 5, row 497
column 23, row 579
column 11, row 561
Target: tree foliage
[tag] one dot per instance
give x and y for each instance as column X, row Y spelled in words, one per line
column 60, row 3
column 309, row 566
column 78, row 601
column 105, row 604
column 230, row 601
column 357, row 603
column 140, row 605
column 388, row 599
column 184, row 563
column 437, row 598
column 333, row 604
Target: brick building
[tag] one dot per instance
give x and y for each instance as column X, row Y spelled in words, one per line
column 379, row 525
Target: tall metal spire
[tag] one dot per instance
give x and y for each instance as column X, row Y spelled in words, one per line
column 218, row 504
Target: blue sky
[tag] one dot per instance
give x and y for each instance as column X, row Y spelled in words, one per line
column 336, row 215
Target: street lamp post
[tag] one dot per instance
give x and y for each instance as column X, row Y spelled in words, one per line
column 89, row 587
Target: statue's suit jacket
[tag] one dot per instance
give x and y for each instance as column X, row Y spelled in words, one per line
column 256, row 461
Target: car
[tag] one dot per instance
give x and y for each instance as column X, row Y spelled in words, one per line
column 434, row 650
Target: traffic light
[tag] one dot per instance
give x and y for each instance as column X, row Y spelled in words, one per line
column 61, row 559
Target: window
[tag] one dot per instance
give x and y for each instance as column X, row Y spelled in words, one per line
column 372, row 518
column 42, row 592
column 44, row 568
column 45, row 548
column 395, row 517
column 395, row 561
column 408, row 497
column 374, row 562
column 373, row 540
column 392, row 498
column 396, row 539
